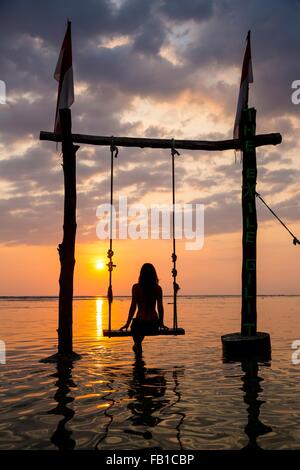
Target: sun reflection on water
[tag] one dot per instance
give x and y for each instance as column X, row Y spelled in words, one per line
column 99, row 317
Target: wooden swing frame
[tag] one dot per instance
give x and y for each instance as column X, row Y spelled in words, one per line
column 247, row 144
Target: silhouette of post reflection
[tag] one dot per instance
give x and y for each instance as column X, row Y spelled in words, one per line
column 177, row 372
column 61, row 437
column 252, row 388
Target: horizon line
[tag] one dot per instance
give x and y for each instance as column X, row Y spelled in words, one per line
column 45, row 296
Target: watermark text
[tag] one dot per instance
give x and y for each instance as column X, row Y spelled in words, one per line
column 2, row 352
column 137, row 221
column 295, row 96
column 2, row 92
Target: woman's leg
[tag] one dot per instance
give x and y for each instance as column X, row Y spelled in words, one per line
column 137, row 347
column 137, row 336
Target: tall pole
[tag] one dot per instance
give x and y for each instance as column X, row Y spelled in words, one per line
column 249, row 314
column 249, row 342
column 66, row 249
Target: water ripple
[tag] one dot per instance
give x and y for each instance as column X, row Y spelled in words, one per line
column 180, row 395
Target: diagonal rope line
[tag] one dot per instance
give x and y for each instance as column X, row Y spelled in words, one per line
column 295, row 239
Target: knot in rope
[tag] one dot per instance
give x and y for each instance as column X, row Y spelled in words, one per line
column 173, row 150
column 176, row 287
column 113, row 148
column 109, row 294
column 111, row 266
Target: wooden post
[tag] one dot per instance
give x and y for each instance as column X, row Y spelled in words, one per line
column 252, row 388
column 249, row 315
column 249, row 342
column 66, row 249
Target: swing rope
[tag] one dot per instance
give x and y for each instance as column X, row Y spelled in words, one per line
column 174, row 255
column 295, row 239
column 113, row 154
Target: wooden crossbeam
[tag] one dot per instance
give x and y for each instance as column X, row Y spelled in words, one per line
column 209, row 145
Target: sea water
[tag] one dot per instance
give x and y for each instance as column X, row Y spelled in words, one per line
column 179, row 395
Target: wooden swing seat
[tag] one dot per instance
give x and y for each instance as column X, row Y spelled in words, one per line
column 162, row 332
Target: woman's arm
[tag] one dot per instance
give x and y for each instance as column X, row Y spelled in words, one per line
column 131, row 310
column 160, row 307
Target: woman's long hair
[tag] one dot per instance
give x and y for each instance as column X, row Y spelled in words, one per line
column 148, row 279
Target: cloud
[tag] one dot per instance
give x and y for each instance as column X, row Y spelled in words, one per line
column 172, row 49
column 196, row 10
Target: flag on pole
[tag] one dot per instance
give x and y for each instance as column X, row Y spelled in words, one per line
column 64, row 75
column 246, row 78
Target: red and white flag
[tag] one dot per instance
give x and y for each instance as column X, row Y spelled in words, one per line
column 64, row 75
column 246, row 78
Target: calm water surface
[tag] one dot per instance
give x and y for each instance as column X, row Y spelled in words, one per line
column 179, row 396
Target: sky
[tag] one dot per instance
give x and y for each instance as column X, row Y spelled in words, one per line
column 147, row 68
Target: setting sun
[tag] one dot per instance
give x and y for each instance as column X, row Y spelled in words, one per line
column 100, row 264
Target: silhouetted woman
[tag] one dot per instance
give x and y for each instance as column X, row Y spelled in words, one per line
column 146, row 294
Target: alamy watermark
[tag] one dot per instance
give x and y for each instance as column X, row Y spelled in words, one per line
column 2, row 92
column 296, row 354
column 2, row 352
column 137, row 221
column 295, row 96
